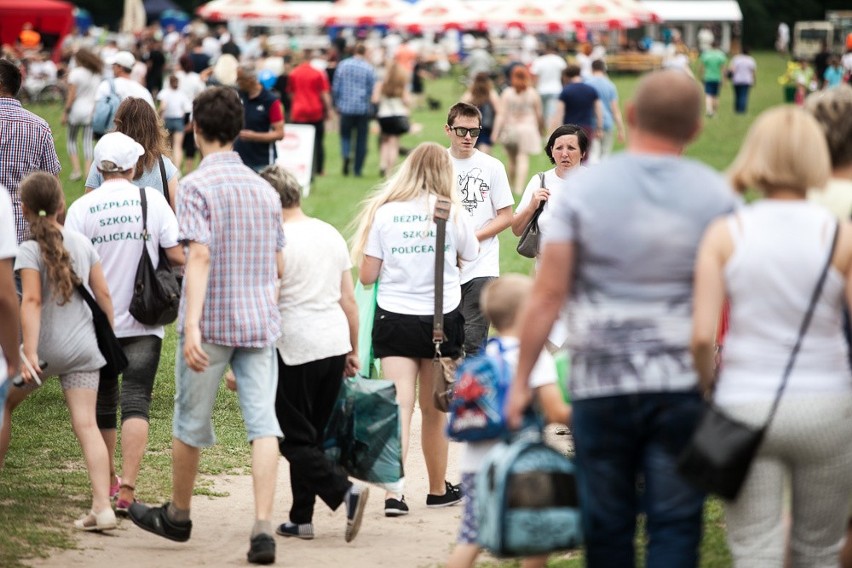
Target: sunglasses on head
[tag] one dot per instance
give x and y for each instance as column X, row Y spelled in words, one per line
column 461, row 131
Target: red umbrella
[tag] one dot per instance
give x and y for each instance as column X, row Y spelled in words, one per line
column 364, row 12
column 253, row 10
column 528, row 15
column 438, row 15
column 598, row 14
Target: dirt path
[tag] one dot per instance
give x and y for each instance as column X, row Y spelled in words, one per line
column 221, row 528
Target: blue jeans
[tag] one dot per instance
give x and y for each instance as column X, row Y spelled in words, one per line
column 256, row 371
column 741, row 98
column 360, row 123
column 621, row 443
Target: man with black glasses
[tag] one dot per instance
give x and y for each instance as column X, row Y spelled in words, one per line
column 487, row 197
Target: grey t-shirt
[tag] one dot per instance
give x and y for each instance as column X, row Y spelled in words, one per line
column 150, row 178
column 66, row 338
column 635, row 223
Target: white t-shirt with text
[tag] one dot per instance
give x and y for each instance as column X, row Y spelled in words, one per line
column 403, row 237
column 111, row 218
column 484, row 189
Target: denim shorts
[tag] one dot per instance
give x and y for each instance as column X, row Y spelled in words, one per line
column 711, row 88
column 174, row 124
column 256, row 370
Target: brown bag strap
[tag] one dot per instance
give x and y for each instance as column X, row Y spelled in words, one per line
column 440, row 216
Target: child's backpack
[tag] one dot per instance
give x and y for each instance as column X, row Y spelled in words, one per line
column 479, row 394
column 103, row 117
column 526, row 500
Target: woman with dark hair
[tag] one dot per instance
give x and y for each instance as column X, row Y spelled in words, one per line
column 83, row 81
column 138, row 119
column 520, row 125
column 566, row 148
column 483, row 96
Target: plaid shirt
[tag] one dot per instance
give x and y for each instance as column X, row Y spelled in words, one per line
column 353, row 86
column 26, row 145
column 227, row 207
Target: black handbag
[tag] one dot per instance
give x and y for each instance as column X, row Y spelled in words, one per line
column 528, row 243
column 108, row 344
column 156, row 292
column 719, row 455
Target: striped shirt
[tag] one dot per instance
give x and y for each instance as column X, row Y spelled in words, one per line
column 353, row 86
column 227, row 207
column 26, row 145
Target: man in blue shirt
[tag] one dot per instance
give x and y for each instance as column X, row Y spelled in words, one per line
column 608, row 95
column 264, row 122
column 579, row 104
column 352, row 90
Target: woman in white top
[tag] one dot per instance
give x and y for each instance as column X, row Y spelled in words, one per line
column 83, row 82
column 766, row 260
column 566, row 148
column 395, row 245
column 317, row 348
column 394, row 101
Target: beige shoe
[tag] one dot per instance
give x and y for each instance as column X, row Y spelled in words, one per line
column 103, row 521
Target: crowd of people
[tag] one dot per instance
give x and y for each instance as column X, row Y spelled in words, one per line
column 268, row 297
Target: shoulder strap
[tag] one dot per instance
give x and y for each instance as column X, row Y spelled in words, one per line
column 804, row 327
column 165, row 181
column 440, row 215
column 144, row 213
column 112, row 86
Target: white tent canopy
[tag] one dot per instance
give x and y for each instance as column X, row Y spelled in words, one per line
column 695, row 10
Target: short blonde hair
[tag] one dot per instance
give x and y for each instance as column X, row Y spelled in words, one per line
column 502, row 298
column 785, row 148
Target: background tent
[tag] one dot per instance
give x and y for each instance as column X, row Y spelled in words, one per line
column 51, row 18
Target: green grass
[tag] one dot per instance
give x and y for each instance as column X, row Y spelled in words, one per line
column 44, row 485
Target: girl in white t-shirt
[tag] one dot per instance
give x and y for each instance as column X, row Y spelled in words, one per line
column 395, row 245
column 83, row 83
column 174, row 105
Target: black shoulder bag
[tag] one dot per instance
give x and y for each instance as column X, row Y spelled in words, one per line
column 156, row 293
column 108, row 344
column 718, row 457
column 165, row 182
column 528, row 243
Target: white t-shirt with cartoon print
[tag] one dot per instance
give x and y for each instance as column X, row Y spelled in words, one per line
column 403, row 237
column 543, row 373
column 484, row 189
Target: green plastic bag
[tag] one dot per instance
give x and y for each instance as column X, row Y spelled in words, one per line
column 563, row 371
column 366, row 300
column 363, row 434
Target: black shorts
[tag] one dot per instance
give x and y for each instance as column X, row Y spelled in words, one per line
column 189, row 148
column 402, row 335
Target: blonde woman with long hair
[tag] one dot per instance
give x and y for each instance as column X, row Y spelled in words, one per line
column 394, row 245
column 394, row 104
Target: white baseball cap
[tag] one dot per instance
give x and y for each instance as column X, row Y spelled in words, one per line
column 117, row 152
column 124, row 59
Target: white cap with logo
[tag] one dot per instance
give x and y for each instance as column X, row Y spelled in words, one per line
column 117, row 152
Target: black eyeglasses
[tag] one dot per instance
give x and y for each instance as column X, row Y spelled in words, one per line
column 461, row 131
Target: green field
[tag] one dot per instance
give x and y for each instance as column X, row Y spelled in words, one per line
column 44, row 485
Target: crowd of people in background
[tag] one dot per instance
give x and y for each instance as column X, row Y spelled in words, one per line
column 282, row 313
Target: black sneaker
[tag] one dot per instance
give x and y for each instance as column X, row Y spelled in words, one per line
column 396, row 507
column 356, row 499
column 346, row 166
column 262, row 549
column 451, row 496
column 155, row 520
column 305, row 531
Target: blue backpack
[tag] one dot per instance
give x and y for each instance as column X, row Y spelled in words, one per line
column 526, row 500
column 479, row 394
column 103, row 117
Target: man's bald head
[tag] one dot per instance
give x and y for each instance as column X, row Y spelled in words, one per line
column 667, row 104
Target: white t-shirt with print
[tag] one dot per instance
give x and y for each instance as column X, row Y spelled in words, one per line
column 8, row 249
column 111, row 218
column 403, row 238
column 313, row 324
column 484, row 189
column 543, row 373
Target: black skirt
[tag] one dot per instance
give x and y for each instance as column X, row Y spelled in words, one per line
column 403, row 335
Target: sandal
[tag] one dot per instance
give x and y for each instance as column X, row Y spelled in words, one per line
column 103, row 521
column 113, row 489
